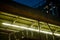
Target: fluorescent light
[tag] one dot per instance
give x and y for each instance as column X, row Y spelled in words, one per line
column 31, row 29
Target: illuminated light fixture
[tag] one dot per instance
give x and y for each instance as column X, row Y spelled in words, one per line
column 31, row 29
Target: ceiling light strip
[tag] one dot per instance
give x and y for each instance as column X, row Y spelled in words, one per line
column 31, row 29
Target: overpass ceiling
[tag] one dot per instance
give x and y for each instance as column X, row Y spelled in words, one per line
column 6, row 20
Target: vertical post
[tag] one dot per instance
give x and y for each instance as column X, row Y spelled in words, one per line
column 39, row 28
column 15, row 36
column 31, row 27
column 27, row 33
column 9, row 36
column 53, row 36
column 46, row 37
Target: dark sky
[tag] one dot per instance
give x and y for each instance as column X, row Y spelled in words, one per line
column 31, row 3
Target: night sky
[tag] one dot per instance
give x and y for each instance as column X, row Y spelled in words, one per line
column 31, row 3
